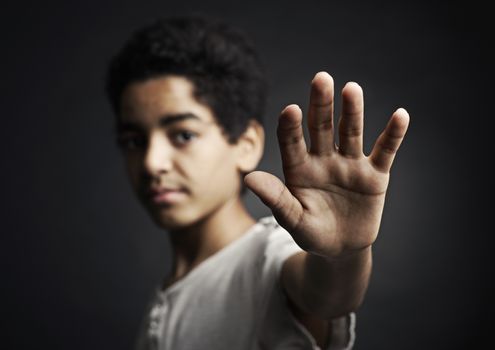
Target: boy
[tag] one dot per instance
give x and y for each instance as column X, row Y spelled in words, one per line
column 188, row 94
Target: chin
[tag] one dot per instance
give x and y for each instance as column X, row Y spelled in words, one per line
column 170, row 219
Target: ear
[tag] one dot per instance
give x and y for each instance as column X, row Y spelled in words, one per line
column 250, row 146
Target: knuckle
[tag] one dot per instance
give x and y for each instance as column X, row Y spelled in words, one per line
column 387, row 147
column 350, row 130
column 279, row 202
column 324, row 124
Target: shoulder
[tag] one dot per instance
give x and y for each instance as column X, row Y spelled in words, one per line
column 279, row 244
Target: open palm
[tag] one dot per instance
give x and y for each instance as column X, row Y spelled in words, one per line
column 333, row 196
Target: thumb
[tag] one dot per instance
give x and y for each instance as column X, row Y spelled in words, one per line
column 285, row 207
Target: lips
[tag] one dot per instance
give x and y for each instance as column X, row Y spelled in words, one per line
column 166, row 195
column 156, row 190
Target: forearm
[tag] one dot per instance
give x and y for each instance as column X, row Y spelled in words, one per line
column 330, row 287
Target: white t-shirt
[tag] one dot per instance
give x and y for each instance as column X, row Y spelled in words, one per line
column 234, row 300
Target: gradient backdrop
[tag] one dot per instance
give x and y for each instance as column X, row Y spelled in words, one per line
column 79, row 254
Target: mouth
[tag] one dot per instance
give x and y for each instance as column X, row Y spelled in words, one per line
column 165, row 196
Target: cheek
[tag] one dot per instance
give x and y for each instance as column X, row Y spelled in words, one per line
column 215, row 170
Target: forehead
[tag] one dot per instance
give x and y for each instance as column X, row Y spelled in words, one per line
column 145, row 102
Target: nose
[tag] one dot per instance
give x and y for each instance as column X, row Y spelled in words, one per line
column 158, row 158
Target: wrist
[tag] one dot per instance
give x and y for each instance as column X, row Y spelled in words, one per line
column 346, row 256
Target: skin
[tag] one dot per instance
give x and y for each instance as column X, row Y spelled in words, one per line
column 331, row 201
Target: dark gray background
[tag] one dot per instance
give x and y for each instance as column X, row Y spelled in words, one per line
column 79, row 254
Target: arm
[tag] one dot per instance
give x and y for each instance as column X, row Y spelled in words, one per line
column 327, row 288
column 332, row 199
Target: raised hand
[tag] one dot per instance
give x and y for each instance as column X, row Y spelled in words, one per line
column 333, row 196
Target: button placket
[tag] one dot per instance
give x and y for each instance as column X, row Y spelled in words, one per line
column 156, row 319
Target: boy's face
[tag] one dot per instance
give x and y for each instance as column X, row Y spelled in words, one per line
column 171, row 142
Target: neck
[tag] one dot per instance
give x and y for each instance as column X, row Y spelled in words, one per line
column 195, row 243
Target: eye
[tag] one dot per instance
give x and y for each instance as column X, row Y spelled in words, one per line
column 131, row 142
column 183, row 136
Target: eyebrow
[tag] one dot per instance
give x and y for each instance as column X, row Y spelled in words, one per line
column 164, row 121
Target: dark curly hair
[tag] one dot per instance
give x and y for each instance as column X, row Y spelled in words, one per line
column 220, row 60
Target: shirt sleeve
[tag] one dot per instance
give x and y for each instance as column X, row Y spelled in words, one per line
column 343, row 333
